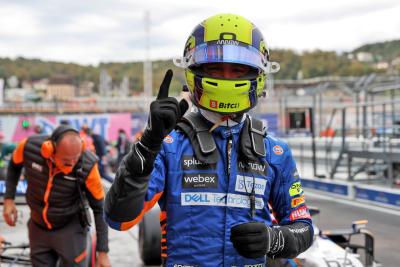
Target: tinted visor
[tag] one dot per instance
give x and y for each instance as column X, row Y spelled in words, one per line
column 226, row 53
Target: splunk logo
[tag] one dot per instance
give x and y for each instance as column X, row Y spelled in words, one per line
column 200, row 180
column 191, row 163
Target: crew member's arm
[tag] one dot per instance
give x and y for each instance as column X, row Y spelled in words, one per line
column 294, row 234
column 10, row 213
column 96, row 201
column 14, row 170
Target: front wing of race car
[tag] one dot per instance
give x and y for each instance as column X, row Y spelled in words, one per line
column 335, row 248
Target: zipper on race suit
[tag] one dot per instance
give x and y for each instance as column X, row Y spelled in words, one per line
column 228, row 157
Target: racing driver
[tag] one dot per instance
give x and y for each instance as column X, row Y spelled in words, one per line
column 214, row 171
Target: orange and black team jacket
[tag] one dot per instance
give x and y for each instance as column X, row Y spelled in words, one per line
column 52, row 196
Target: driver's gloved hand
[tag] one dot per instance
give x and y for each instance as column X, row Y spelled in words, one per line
column 254, row 239
column 165, row 112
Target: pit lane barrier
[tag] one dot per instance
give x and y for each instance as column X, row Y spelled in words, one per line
column 371, row 194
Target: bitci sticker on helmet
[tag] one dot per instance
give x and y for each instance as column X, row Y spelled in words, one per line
column 213, row 103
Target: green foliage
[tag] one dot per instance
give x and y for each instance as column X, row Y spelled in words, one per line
column 382, row 51
column 311, row 64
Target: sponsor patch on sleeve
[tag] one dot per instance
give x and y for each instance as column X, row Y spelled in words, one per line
column 296, row 174
column 295, row 189
column 168, row 139
column 300, row 213
column 278, row 150
column 297, row 201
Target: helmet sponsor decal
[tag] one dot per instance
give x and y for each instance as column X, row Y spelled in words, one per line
column 213, row 103
column 245, row 184
column 297, row 201
column 200, row 180
column 168, row 139
column 295, row 189
column 219, row 199
column 300, row 213
column 228, row 42
column 228, row 105
column 278, row 150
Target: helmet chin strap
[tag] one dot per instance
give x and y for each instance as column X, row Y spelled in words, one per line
column 221, row 120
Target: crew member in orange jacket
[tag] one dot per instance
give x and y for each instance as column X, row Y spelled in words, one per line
column 60, row 174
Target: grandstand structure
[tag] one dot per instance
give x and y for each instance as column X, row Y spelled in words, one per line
column 345, row 126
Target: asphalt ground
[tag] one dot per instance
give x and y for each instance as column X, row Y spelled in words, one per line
column 123, row 245
column 333, row 214
column 385, row 226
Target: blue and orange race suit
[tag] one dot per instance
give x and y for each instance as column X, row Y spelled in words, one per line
column 200, row 203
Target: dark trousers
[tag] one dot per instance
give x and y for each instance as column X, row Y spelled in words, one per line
column 67, row 244
column 103, row 172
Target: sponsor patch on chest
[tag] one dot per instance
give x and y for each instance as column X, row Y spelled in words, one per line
column 200, row 180
column 253, row 167
column 191, row 163
column 245, row 184
column 218, row 199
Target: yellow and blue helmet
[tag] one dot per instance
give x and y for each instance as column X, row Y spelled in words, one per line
column 226, row 38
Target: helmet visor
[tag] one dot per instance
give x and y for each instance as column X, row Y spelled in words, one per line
column 226, row 53
column 229, row 53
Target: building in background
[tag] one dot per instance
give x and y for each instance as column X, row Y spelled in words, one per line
column 61, row 87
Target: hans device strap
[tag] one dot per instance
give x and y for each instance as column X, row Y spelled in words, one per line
column 197, row 130
column 252, row 137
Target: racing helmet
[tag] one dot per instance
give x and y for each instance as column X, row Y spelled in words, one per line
column 226, row 38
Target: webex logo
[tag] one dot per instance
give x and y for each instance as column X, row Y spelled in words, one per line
column 200, row 180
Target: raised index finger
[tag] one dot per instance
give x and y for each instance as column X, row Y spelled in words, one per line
column 164, row 87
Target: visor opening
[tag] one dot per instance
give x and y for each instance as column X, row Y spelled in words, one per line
column 212, row 83
column 240, row 84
